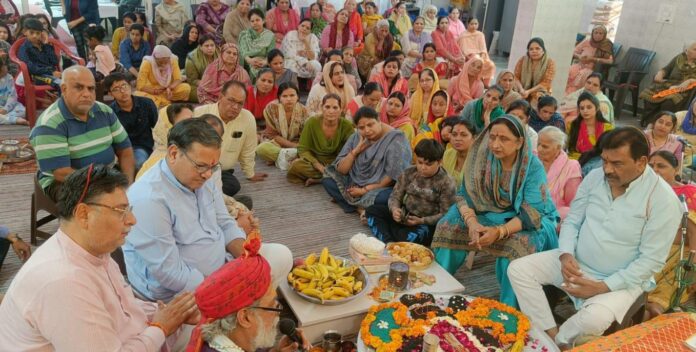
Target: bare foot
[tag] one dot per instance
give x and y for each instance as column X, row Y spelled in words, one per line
column 312, row 181
column 21, row 121
column 363, row 216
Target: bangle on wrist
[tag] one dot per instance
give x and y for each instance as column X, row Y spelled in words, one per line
column 158, row 325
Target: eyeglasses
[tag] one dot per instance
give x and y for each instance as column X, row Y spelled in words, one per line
column 278, row 308
column 123, row 88
column 235, row 103
column 122, row 211
column 201, row 169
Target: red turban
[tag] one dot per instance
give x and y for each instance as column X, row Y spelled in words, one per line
column 234, row 286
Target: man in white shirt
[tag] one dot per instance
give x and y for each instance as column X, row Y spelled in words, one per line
column 615, row 238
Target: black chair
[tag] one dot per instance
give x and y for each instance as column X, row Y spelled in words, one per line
column 629, row 72
column 604, row 68
column 40, row 201
column 634, row 315
column 117, row 256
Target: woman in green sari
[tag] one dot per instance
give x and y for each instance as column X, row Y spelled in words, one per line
column 255, row 43
column 503, row 205
column 316, row 15
column 482, row 111
column 322, row 138
column 197, row 61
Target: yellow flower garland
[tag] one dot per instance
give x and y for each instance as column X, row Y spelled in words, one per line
column 400, row 317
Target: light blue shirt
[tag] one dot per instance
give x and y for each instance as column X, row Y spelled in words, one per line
column 622, row 241
column 180, row 236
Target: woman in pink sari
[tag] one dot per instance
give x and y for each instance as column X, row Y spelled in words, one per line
column 397, row 114
column 563, row 174
column 210, row 17
column 282, row 19
column 337, row 35
column 223, row 69
column 447, row 47
column 456, row 27
column 467, row 85
column 390, row 77
column 661, row 135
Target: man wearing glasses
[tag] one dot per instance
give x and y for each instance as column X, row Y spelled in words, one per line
column 239, row 307
column 239, row 138
column 184, row 232
column 71, row 296
column 138, row 115
column 77, row 131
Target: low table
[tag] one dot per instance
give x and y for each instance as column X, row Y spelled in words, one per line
column 315, row 319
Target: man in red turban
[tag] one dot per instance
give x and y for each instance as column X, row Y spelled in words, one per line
column 239, row 310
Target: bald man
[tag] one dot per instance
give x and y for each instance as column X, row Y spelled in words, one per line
column 76, row 131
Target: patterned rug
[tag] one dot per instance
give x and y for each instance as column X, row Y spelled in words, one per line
column 24, row 167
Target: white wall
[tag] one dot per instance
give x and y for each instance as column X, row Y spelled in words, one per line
column 638, row 27
column 557, row 23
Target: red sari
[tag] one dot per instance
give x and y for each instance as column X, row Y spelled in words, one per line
column 256, row 102
column 356, row 27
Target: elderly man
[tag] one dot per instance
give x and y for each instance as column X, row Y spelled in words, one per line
column 71, row 296
column 239, row 140
column 615, row 238
column 239, row 310
column 185, row 232
column 76, row 131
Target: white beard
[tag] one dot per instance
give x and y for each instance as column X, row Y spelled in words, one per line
column 265, row 338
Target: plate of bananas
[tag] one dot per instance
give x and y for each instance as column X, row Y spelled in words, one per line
column 328, row 280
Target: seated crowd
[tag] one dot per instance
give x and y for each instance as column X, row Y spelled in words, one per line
column 405, row 124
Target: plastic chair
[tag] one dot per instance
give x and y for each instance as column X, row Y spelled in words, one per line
column 40, row 201
column 604, row 68
column 30, row 89
column 629, row 72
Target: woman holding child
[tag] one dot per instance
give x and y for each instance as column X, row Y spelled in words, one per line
column 503, row 206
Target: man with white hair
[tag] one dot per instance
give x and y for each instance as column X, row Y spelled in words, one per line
column 77, row 131
column 239, row 307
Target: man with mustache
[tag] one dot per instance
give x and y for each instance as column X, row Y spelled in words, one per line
column 77, row 131
column 615, row 238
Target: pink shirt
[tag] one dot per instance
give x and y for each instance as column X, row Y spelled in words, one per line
column 65, row 299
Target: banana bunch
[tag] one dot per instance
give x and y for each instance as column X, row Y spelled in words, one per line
column 325, row 278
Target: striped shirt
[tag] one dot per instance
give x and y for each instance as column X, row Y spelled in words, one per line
column 62, row 140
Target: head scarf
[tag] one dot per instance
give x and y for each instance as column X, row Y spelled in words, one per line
column 403, row 118
column 418, row 108
column 450, row 109
column 279, row 26
column 430, row 24
column 402, row 23
column 105, row 59
column 483, row 175
column 346, row 92
column 604, row 48
column 388, row 42
column 333, row 33
column 529, row 78
column 163, row 75
column 234, row 286
column 215, row 77
column 462, row 90
column 511, row 95
column 689, row 123
column 182, row 47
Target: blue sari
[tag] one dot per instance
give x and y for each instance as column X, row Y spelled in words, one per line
column 497, row 198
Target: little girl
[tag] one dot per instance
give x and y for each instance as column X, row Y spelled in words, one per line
column 12, row 112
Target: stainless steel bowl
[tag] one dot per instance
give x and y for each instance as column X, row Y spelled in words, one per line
column 361, row 275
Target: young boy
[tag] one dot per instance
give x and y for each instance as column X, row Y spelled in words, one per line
column 40, row 58
column 422, row 195
column 546, row 114
column 11, row 110
column 133, row 49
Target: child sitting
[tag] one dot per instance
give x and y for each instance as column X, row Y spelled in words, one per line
column 422, row 195
column 40, row 57
column 11, row 110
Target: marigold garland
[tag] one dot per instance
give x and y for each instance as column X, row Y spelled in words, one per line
column 400, row 317
column 476, row 315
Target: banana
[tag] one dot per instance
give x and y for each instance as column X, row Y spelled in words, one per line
column 311, row 259
column 313, row 284
column 314, row 293
column 333, row 262
column 323, row 271
column 358, row 286
column 324, row 257
column 302, row 273
column 327, row 284
column 341, row 291
column 300, row 286
column 291, row 277
column 346, row 286
column 328, row 292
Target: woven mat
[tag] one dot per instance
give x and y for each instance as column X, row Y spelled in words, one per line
column 25, row 167
column 664, row 333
